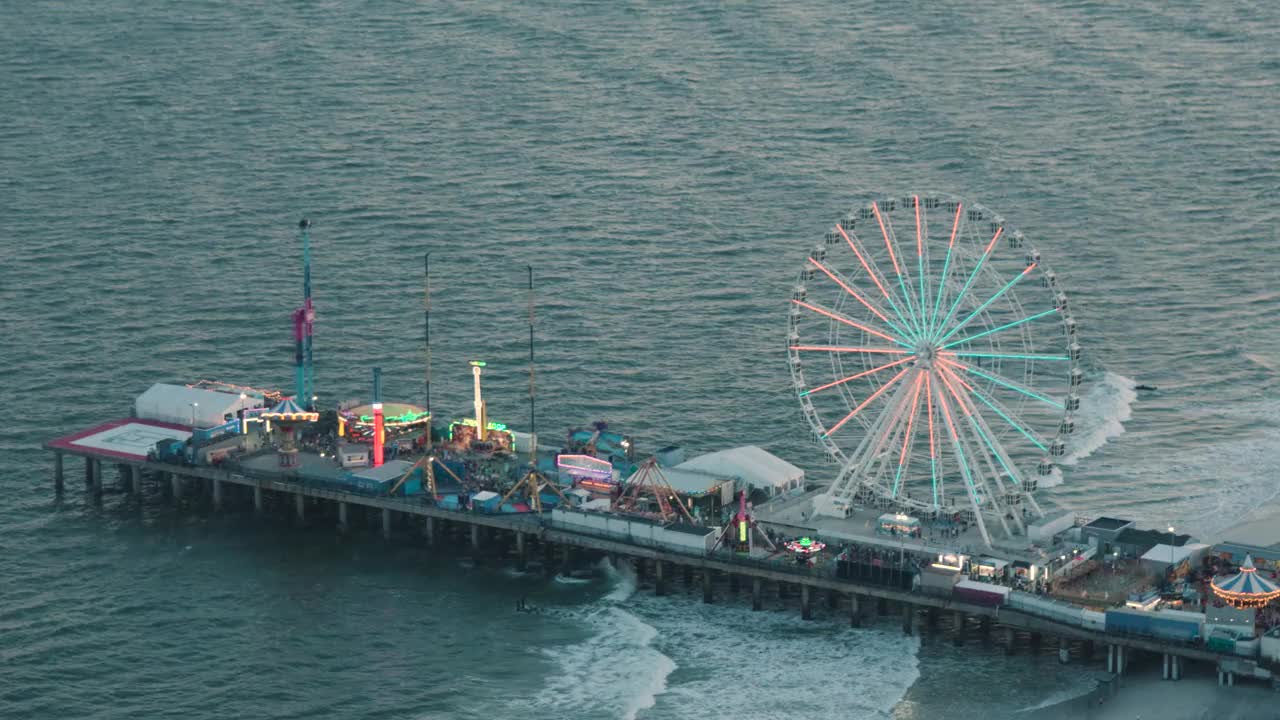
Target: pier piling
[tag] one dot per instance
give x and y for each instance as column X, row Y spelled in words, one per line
column 756, row 586
column 257, row 499
column 175, row 481
column 806, row 612
column 343, row 524
column 733, row 583
column 706, row 585
column 1010, row 640
column 217, row 494
column 475, row 541
column 57, row 473
column 908, row 617
column 660, row 577
column 88, row 472
column 958, row 628
column 855, row 611
column 1064, row 651
column 386, row 523
column 430, row 530
column 300, row 507
column 522, row 560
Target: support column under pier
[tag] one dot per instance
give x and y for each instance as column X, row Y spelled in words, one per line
column 706, row 585
column 908, row 617
column 57, row 473
column 660, row 577
column 386, row 523
column 88, row 472
column 175, row 480
column 855, row 611
column 430, row 530
column 343, row 523
column 1010, row 641
column 1064, row 650
column 756, row 587
column 806, row 612
column 958, row 628
column 217, row 494
column 475, row 539
column 257, row 499
column 300, row 507
column 733, row 583
column 522, row 558
column 688, row 575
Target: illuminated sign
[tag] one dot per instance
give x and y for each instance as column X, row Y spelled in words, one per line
column 586, row 467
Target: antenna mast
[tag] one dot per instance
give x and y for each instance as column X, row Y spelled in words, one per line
column 533, row 428
column 426, row 332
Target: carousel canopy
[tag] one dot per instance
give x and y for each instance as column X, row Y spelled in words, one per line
column 288, row 410
column 1246, row 588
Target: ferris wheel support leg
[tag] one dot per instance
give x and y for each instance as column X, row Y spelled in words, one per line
column 1034, row 505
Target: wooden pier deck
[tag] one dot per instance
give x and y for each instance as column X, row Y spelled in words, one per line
column 522, row 533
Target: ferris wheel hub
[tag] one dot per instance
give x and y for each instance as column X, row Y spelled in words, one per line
column 925, row 353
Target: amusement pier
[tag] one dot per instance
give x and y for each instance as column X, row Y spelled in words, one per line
column 936, row 361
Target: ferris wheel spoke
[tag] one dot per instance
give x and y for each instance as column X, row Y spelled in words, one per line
column 906, row 438
column 924, row 303
column 856, row 296
column 1005, row 356
column 862, row 374
column 992, row 449
column 955, row 305
column 873, row 271
column 962, row 461
column 897, row 269
column 865, row 403
column 933, row 445
column 1006, row 326
column 946, row 265
column 996, row 378
column 843, row 349
column 986, row 304
column 841, row 318
column 1003, row 416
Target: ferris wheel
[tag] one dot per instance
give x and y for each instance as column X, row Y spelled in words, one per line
column 936, row 360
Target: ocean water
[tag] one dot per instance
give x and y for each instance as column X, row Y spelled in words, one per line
column 665, row 168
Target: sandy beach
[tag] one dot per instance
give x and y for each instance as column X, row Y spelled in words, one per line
column 1144, row 696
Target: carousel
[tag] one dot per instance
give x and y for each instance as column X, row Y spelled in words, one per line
column 1245, row 589
column 287, row 415
column 805, row 549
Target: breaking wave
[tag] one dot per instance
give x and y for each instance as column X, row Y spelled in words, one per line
column 1104, row 409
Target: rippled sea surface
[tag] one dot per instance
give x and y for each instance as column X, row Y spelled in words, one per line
column 664, row 168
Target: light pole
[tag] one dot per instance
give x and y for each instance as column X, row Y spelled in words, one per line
column 1171, row 531
column 194, row 405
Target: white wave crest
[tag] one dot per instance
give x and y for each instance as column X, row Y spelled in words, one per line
column 623, row 579
column 615, row 673
column 1105, row 407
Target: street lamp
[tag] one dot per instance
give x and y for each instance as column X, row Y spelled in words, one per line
column 194, row 405
column 1171, row 531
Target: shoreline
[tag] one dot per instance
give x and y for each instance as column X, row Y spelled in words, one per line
column 1144, row 695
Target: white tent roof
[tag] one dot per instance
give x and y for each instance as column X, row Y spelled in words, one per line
column 690, row 482
column 1173, row 555
column 177, row 404
column 749, row 464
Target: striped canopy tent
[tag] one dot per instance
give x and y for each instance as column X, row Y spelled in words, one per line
column 1246, row 589
column 289, row 411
